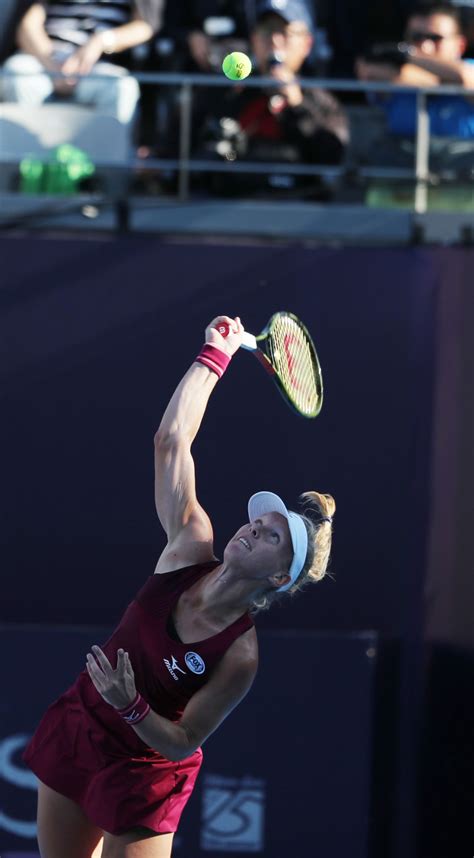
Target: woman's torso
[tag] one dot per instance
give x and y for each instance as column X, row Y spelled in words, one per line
column 172, row 649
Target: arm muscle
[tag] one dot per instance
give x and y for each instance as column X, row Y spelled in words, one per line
column 187, row 525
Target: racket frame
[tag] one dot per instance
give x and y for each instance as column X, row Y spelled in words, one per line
column 253, row 344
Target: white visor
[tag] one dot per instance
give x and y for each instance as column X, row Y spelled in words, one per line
column 265, row 502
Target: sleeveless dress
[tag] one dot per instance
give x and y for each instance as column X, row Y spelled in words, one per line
column 84, row 750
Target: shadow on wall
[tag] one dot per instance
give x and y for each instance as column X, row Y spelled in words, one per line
column 446, row 818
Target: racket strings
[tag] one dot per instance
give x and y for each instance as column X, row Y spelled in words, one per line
column 293, row 358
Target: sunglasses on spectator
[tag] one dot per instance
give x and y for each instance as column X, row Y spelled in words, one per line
column 417, row 37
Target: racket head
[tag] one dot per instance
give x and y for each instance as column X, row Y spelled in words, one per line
column 293, row 356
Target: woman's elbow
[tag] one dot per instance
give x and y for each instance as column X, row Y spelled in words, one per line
column 167, row 436
column 182, row 748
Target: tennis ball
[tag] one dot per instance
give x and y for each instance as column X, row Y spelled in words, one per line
column 236, row 65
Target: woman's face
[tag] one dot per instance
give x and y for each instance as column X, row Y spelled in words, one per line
column 261, row 548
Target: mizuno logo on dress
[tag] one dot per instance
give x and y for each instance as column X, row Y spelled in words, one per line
column 173, row 666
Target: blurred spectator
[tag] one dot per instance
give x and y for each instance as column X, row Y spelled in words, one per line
column 72, row 37
column 282, row 124
column 431, row 55
column 204, row 31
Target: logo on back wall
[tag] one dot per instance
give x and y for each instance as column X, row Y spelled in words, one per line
column 15, row 774
column 233, row 812
column 194, row 662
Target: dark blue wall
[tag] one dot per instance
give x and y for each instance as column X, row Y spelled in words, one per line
column 289, row 770
column 94, row 336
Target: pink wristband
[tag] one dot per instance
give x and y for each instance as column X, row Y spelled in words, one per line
column 136, row 712
column 214, row 359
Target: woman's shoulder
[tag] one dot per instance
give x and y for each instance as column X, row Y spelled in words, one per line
column 174, row 560
column 175, row 572
column 163, row 585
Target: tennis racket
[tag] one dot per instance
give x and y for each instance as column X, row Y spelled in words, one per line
column 287, row 353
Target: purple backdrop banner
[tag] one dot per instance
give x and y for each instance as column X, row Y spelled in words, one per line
column 289, row 770
column 95, row 335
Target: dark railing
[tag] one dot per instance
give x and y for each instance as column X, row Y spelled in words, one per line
column 185, row 164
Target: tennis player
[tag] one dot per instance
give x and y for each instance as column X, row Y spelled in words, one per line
column 118, row 754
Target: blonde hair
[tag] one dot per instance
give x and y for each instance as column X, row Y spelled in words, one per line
column 317, row 513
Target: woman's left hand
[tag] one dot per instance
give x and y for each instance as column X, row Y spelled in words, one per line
column 117, row 687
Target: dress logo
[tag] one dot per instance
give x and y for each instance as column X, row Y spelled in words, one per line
column 194, row 662
column 173, row 667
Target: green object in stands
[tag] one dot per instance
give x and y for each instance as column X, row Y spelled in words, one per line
column 448, row 198
column 62, row 174
column 31, row 175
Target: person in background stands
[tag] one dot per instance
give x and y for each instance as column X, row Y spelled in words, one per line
column 75, row 39
column 284, row 123
column 431, row 55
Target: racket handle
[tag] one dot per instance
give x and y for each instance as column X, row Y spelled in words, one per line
column 248, row 340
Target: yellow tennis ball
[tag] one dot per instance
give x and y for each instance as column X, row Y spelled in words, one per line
column 236, row 65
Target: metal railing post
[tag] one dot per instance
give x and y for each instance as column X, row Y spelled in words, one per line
column 422, row 152
column 185, row 105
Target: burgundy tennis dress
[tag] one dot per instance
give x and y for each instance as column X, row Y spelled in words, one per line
column 84, row 750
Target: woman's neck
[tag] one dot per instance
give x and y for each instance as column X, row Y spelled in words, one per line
column 224, row 595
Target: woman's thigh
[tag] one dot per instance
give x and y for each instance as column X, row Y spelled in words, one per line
column 137, row 843
column 64, row 829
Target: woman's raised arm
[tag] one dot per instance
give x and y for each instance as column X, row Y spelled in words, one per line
column 187, row 525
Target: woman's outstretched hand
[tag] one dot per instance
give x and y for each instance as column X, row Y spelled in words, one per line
column 117, row 687
column 229, row 343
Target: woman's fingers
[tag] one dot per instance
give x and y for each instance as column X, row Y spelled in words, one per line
column 116, row 687
column 94, row 672
column 99, row 666
column 220, row 320
column 102, row 659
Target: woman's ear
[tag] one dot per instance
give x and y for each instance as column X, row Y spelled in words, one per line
column 278, row 579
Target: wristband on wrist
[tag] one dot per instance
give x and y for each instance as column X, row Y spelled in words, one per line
column 136, row 712
column 214, row 358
